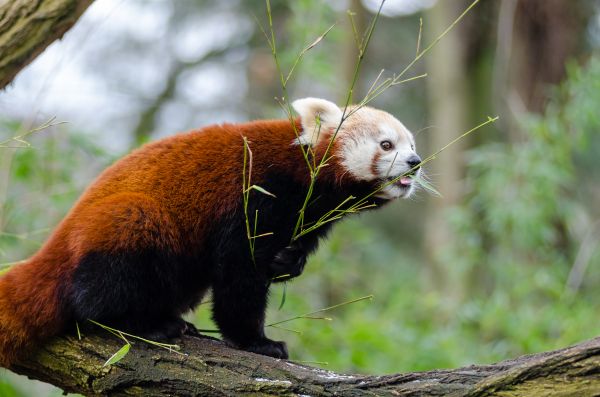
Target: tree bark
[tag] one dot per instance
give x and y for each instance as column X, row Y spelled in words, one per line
column 27, row 27
column 210, row 368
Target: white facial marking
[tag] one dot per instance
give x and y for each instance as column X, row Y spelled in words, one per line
column 357, row 156
column 360, row 150
column 365, row 158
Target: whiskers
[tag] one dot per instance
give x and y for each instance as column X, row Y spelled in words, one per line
column 422, row 182
column 425, row 129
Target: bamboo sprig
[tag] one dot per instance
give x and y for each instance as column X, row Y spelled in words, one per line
column 124, row 350
column 18, row 141
column 310, row 315
column 307, row 152
column 323, row 162
column 362, row 203
column 121, row 334
column 246, row 194
column 304, row 51
column 314, row 172
column 288, row 329
column 284, row 78
column 397, row 79
column 376, row 89
column 337, row 213
column 422, row 180
column 247, row 187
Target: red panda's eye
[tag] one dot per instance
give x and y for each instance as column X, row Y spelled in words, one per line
column 386, row 145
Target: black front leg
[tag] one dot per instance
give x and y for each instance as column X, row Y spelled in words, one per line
column 240, row 297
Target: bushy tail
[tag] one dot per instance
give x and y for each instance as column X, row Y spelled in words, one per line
column 29, row 309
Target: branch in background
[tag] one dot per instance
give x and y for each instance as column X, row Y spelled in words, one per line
column 148, row 117
column 210, row 368
column 27, row 27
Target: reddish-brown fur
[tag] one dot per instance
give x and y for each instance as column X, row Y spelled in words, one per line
column 181, row 181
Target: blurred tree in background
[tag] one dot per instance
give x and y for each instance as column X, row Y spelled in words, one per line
column 505, row 262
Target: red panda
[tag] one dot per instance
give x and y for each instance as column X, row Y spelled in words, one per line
column 166, row 223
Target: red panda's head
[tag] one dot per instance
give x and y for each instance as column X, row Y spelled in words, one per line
column 370, row 146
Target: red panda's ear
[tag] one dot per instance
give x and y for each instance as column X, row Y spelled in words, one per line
column 316, row 115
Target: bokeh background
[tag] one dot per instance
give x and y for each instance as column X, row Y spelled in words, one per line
column 505, row 262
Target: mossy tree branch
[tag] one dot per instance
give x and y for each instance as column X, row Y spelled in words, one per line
column 210, row 368
column 27, row 27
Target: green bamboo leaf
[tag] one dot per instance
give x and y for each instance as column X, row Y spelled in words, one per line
column 118, row 356
column 283, row 295
column 262, row 190
column 426, row 185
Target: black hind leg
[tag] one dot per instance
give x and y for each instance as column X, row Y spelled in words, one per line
column 127, row 292
column 239, row 303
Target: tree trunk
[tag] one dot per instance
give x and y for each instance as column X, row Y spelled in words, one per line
column 27, row 27
column 548, row 33
column 209, row 368
column 448, row 98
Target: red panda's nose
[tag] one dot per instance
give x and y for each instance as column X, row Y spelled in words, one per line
column 413, row 161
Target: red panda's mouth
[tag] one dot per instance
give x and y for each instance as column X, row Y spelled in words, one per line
column 403, row 182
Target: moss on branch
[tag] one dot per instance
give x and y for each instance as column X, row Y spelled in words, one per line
column 210, row 368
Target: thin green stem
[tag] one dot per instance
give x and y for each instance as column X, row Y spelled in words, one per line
column 363, row 204
column 304, row 51
column 20, row 139
column 397, row 79
column 376, row 90
column 246, row 180
column 323, row 161
column 419, row 37
column 309, row 314
column 285, row 103
column 122, row 335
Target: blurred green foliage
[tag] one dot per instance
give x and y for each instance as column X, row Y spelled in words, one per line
column 7, row 390
column 519, row 232
column 524, row 218
column 516, row 248
column 45, row 180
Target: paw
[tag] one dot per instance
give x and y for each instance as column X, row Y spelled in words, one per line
column 268, row 347
column 167, row 330
column 287, row 264
column 191, row 330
